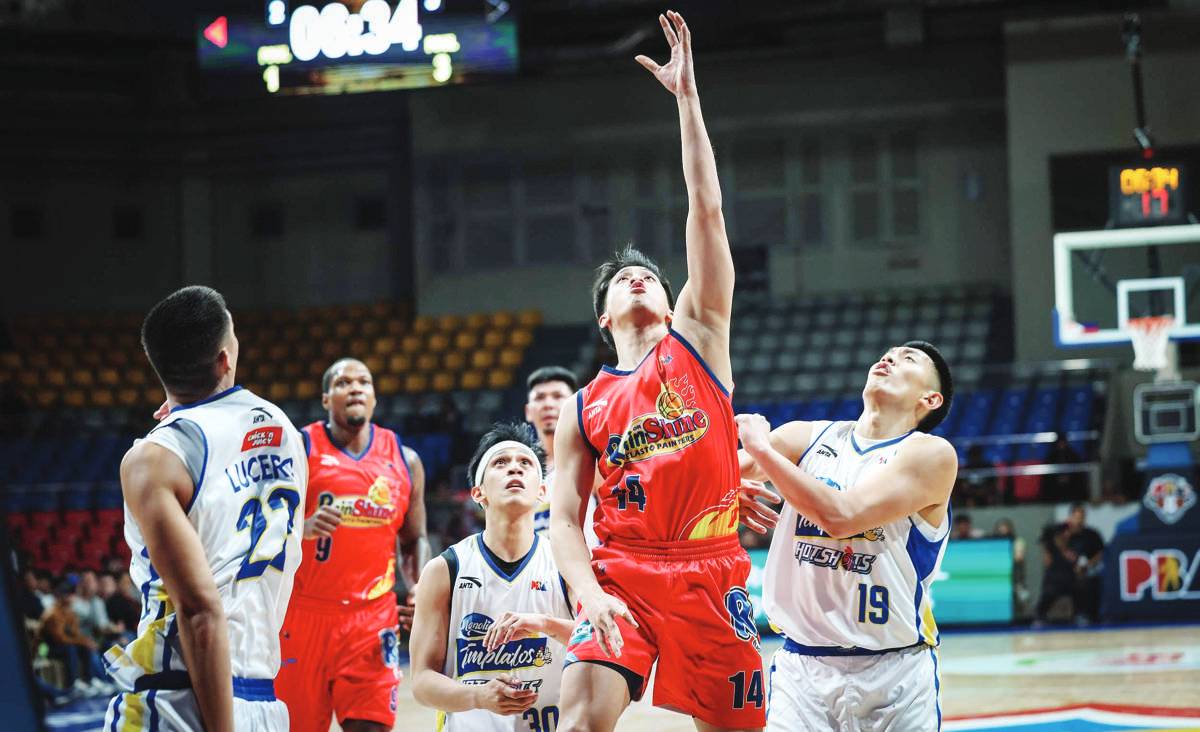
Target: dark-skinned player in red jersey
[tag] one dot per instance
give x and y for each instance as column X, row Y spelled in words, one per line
column 340, row 640
column 668, row 582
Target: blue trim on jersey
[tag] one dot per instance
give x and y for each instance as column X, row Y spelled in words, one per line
column 254, row 689
column 153, row 710
column 923, row 554
column 885, row 443
column 343, row 450
column 792, row 646
column 407, row 470
column 487, row 557
column 116, row 712
column 163, row 681
column 704, row 364
column 579, row 420
column 307, row 442
column 172, row 631
column 810, row 445
column 620, row 372
column 243, row 688
column 206, row 400
column 770, row 684
column 203, row 465
column 937, row 688
column 566, row 595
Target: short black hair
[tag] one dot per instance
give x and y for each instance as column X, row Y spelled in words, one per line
column 551, row 373
column 327, row 377
column 501, row 432
column 627, row 257
column 945, row 385
column 182, row 336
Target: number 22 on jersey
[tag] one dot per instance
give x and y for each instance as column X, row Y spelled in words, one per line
column 270, row 523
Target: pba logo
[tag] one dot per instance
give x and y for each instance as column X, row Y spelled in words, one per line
column 741, row 614
column 1169, row 496
column 1166, row 573
column 262, row 437
column 389, row 648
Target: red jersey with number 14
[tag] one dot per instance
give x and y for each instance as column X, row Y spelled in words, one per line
column 666, row 446
column 371, row 492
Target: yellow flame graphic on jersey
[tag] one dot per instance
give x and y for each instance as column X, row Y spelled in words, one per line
column 721, row 520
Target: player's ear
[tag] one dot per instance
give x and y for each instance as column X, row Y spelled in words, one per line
column 542, row 491
column 933, row 400
column 477, row 495
column 604, row 321
column 325, row 402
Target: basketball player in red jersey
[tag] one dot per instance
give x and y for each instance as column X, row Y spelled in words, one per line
column 668, row 582
column 339, row 642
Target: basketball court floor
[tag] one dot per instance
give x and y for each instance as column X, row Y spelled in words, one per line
column 1144, row 678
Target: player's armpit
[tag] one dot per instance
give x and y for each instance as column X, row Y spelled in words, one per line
column 156, row 486
column 921, row 476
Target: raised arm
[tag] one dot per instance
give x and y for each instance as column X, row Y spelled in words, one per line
column 157, row 486
column 574, row 469
column 706, row 299
column 413, row 540
column 427, row 648
column 921, row 476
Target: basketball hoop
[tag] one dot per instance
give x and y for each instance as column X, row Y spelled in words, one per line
column 1150, row 340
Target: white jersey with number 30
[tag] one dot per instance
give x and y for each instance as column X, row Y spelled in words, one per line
column 868, row 591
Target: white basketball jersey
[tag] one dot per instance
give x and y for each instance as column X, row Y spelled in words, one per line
column 480, row 593
column 250, row 471
column 867, row 591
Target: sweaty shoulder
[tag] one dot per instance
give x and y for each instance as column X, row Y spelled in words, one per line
column 930, row 448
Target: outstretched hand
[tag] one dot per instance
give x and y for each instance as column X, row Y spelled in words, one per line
column 677, row 74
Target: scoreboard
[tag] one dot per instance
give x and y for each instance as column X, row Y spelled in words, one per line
column 346, row 46
column 1142, row 195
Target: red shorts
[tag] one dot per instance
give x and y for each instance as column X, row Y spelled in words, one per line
column 694, row 617
column 342, row 660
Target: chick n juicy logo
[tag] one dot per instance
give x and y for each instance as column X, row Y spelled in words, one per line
column 374, row 509
column 674, row 424
column 474, row 657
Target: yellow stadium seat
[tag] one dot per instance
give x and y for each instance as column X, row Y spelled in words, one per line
column 427, row 361
column 304, row 350
column 82, row 377
column 443, row 381
column 358, row 347
column 520, row 337
column 316, row 368
column 510, row 358
column 422, row 324
column 127, row 397
column 370, row 328
column 318, row 331
column 251, row 353
column 388, row 384
column 343, row 329
column 503, row 320
column 471, row 380
column 415, row 382
column 153, row 395
column 307, row 389
column 466, row 339
column 139, row 376
column 438, row 342
column 331, row 350
column 29, row 379
column 412, row 344
column 108, row 377
column 477, row 321
column 448, row 323
column 91, row 357
column 278, row 352
column 483, row 359
column 529, row 318
column 46, row 398
column 374, row 363
column 74, row 397
column 499, row 379
column 39, row 360
column 454, row 361
column 394, row 327
column 56, row 378
column 119, row 358
column 279, row 391
column 264, row 372
column 494, row 339
column 10, row 360
column 102, row 398
column 384, row 345
column 398, row 363
column 292, row 370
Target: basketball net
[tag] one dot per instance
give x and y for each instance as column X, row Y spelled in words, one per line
column 1152, row 349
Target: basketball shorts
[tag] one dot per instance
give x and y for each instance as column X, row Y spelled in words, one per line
column 339, row 660
column 694, row 618
column 898, row 691
column 255, row 709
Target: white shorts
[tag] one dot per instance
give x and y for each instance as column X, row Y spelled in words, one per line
column 898, row 691
column 175, row 710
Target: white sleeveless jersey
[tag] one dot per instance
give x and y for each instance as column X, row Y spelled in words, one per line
column 250, row 471
column 868, row 591
column 480, row 594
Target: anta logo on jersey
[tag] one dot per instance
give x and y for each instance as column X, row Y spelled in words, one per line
column 469, row 583
column 823, row 556
column 826, row 451
column 804, row 527
column 1166, row 573
column 256, row 469
column 474, row 657
column 262, row 437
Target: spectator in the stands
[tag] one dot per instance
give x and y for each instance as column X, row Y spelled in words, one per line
column 31, row 604
column 963, row 528
column 125, row 607
column 975, row 490
column 1073, row 553
column 1004, row 529
column 1064, row 486
column 119, row 630
column 91, row 611
column 67, row 643
column 45, row 589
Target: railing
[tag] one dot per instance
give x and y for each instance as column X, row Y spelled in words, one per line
column 1092, row 470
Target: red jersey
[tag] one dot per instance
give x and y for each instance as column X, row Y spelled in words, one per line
column 665, row 445
column 371, row 491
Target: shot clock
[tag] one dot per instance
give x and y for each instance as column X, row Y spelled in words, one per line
column 1147, row 195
